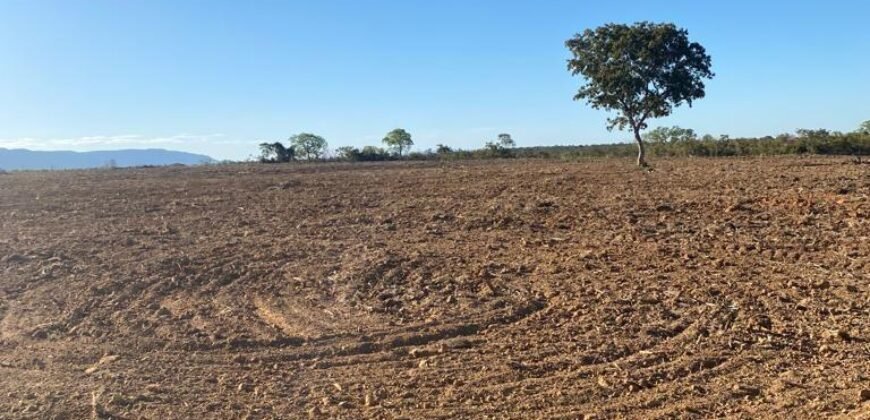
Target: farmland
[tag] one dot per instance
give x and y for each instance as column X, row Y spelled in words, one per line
column 500, row 289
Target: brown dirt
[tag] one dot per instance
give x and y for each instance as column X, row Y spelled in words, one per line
column 735, row 288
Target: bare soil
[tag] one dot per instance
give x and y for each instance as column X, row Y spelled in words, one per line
column 510, row 289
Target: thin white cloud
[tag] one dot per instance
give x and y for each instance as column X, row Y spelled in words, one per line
column 127, row 140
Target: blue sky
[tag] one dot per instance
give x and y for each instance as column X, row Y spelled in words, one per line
column 220, row 76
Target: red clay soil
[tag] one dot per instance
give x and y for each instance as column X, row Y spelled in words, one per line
column 509, row 289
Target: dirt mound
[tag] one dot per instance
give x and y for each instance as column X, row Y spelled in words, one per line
column 515, row 289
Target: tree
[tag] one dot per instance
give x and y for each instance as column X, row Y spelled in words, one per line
column 349, row 153
column 501, row 147
column 641, row 71
column 505, row 140
column 864, row 128
column 311, row 145
column 398, row 140
column 442, row 149
column 373, row 153
column 673, row 134
column 812, row 133
column 276, row 153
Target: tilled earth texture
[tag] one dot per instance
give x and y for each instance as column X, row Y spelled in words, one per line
column 509, row 289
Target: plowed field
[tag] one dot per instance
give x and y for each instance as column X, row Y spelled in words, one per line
column 510, row 289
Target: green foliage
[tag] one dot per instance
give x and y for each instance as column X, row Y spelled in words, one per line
column 675, row 138
column 276, row 153
column 666, row 141
column 426, row 155
column 442, row 149
column 864, row 128
column 640, row 71
column 367, row 154
column 673, row 134
column 373, row 153
column 506, row 141
column 812, row 133
column 849, row 144
column 348, row 153
column 398, row 140
column 502, row 147
column 494, row 149
column 312, row 146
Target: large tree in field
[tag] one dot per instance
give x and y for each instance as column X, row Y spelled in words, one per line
column 310, row 145
column 398, row 140
column 641, row 71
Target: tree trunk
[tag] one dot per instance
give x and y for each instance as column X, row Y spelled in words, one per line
column 641, row 153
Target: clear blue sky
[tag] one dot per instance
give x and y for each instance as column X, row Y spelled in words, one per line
column 221, row 76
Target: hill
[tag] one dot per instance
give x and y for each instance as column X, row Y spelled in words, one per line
column 23, row 159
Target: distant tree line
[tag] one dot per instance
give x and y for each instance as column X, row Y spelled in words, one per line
column 311, row 147
column 662, row 142
column 675, row 141
column 679, row 142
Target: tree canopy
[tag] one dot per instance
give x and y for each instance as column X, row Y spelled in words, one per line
column 502, row 146
column 673, row 134
column 367, row 154
column 641, row 71
column 310, row 145
column 276, row 153
column 398, row 140
column 505, row 140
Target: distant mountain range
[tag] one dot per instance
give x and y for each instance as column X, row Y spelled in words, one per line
column 18, row 159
